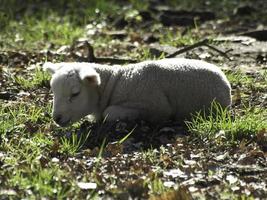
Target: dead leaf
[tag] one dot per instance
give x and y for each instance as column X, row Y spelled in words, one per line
column 222, row 156
column 231, row 179
column 8, row 192
column 169, row 184
column 87, row 185
column 55, row 147
column 166, row 159
column 174, row 173
column 114, row 148
column 236, row 98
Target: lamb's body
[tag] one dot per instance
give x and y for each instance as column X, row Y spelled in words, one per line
column 157, row 90
column 161, row 90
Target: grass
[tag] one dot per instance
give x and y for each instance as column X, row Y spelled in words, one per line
column 156, row 186
column 38, row 79
column 35, row 34
column 73, row 144
column 223, row 124
column 28, row 164
column 48, row 25
column 257, row 81
column 42, row 181
column 14, row 118
column 175, row 38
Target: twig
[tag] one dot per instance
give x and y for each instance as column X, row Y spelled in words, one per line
column 198, row 44
column 188, row 48
column 113, row 60
column 219, row 51
column 92, row 58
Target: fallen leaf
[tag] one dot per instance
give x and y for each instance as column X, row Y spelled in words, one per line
column 231, row 179
column 222, row 157
column 8, row 192
column 168, row 184
column 87, row 185
column 114, row 148
column 174, row 173
column 55, row 160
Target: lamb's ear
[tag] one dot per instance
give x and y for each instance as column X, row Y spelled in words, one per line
column 51, row 67
column 90, row 75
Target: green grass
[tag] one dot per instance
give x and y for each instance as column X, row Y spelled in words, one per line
column 239, row 78
column 255, row 82
column 14, row 117
column 48, row 25
column 43, row 182
column 32, row 34
column 156, row 187
column 28, row 165
column 73, row 144
column 175, row 38
column 38, row 79
column 223, row 124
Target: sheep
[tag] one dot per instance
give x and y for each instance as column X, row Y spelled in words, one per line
column 155, row 91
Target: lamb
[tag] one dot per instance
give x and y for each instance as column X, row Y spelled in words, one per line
column 154, row 91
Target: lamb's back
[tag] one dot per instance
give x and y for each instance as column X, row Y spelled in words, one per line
column 185, row 85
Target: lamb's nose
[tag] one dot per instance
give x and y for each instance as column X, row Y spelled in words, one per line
column 57, row 118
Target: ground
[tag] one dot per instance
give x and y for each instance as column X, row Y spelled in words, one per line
column 212, row 157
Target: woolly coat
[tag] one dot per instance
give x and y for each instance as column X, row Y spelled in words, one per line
column 160, row 90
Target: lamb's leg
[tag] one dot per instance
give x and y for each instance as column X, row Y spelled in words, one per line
column 113, row 113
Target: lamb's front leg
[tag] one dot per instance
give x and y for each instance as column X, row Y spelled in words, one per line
column 113, row 113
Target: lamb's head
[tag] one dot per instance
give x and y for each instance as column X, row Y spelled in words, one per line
column 75, row 90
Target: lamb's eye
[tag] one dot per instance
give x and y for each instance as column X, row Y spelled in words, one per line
column 75, row 94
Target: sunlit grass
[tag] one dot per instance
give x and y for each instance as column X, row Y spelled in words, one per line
column 256, row 82
column 39, row 34
column 49, row 25
column 13, row 117
column 245, row 125
column 156, row 186
column 175, row 38
column 43, row 182
column 38, row 78
column 73, row 144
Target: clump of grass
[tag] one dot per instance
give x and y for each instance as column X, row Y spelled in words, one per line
column 73, row 144
column 247, row 125
column 175, row 38
column 156, row 186
column 255, row 82
column 40, row 182
column 237, row 78
column 49, row 23
column 38, row 79
column 32, row 33
column 13, row 117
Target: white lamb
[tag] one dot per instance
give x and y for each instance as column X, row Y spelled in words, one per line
column 155, row 91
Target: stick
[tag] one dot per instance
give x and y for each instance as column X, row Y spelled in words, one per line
column 113, row 60
column 188, row 48
column 198, row 44
column 92, row 58
column 219, row 51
